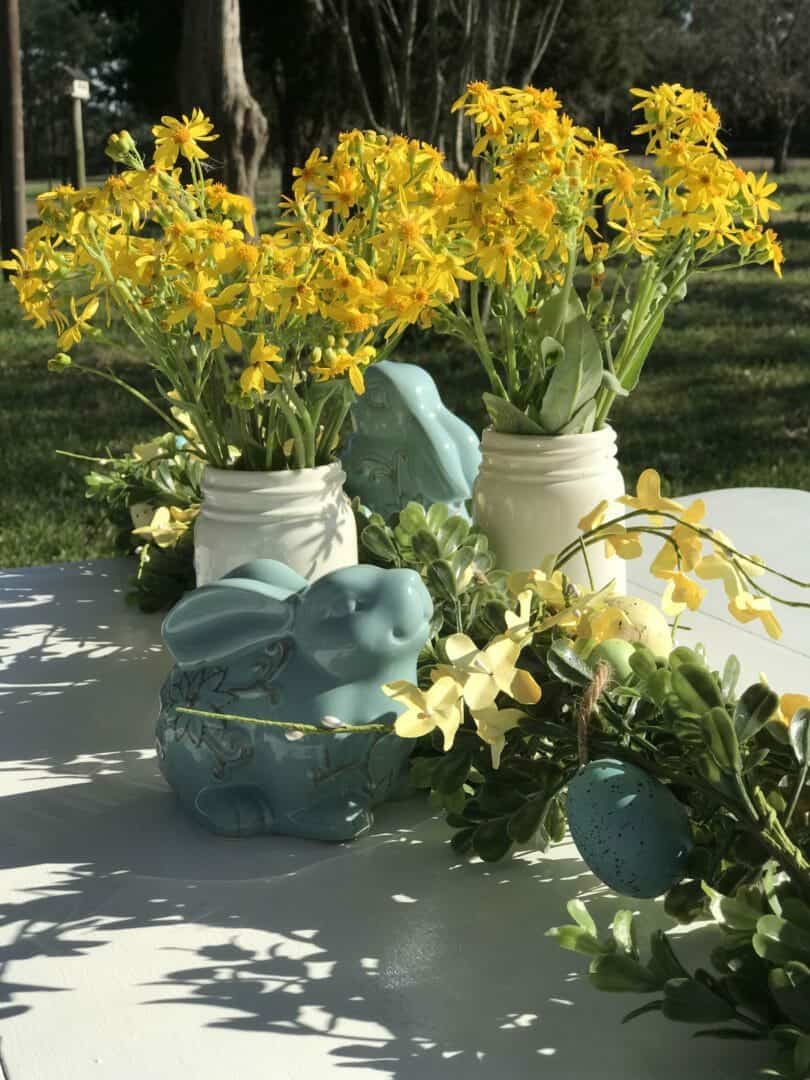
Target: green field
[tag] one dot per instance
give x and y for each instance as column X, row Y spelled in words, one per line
column 724, row 401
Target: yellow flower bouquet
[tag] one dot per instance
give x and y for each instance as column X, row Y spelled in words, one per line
column 258, row 344
column 552, row 208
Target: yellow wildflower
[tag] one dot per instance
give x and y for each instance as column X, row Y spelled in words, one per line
column 260, row 370
column 173, row 137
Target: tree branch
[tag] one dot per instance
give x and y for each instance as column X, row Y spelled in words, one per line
column 543, row 39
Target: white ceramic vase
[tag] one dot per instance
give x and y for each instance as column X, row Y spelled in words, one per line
column 531, row 491
column 301, row 517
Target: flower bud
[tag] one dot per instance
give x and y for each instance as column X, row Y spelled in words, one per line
column 120, row 146
column 59, row 362
column 317, row 353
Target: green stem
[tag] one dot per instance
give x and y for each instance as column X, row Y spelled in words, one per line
column 568, row 284
column 794, row 802
column 483, row 347
column 307, row 729
column 295, row 428
column 173, row 425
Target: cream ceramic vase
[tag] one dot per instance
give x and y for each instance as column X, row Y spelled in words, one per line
column 301, row 517
column 531, row 491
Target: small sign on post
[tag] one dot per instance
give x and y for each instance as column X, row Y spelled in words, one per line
column 80, row 88
column 77, row 88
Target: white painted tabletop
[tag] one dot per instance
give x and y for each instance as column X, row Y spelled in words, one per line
column 135, row 946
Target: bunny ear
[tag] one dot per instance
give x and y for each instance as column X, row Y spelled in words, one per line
column 224, row 618
column 279, row 577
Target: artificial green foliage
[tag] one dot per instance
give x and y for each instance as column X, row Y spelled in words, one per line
column 160, row 473
column 452, row 557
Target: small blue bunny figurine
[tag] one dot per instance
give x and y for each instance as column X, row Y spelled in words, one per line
column 406, row 446
column 264, row 643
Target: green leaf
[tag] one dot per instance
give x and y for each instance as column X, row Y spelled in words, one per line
column 525, row 822
column 611, row 383
column 425, row 546
column 422, row 771
column 460, row 563
column 520, row 297
column 491, row 839
column 379, row 542
column 437, row 514
column 554, row 318
column 582, row 421
column 576, row 939
column 453, row 534
column 692, row 1002
column 508, row 419
column 632, row 373
column 581, row 916
column 452, row 770
column 801, row 1055
column 696, row 688
column 790, row 988
column 732, row 911
column 567, row 666
column 462, row 841
column 619, row 973
column 412, row 518
column 756, row 706
column 643, row 661
column 795, row 911
column 624, row 933
column 650, row 1006
column 721, row 740
column 730, row 677
column 780, row 942
column 575, row 378
column 663, row 961
column 683, row 655
column 799, row 732
column 441, row 580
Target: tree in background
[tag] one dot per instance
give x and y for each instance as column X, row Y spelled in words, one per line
column 755, row 63
column 212, row 75
column 299, row 75
column 601, row 50
column 410, row 59
column 55, row 33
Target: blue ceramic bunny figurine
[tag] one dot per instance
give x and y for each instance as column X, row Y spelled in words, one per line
column 406, row 446
column 263, row 643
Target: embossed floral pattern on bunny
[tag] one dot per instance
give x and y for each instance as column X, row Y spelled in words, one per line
column 262, row 643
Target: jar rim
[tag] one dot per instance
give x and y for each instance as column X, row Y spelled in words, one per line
column 310, row 479
column 498, row 440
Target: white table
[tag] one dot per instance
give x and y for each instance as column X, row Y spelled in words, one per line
column 135, row 946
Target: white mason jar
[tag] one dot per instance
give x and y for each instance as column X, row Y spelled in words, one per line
column 531, row 491
column 301, row 517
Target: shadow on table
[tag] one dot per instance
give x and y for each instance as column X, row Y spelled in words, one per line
column 390, row 956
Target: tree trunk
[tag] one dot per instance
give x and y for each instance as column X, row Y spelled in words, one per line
column 212, row 76
column 782, row 147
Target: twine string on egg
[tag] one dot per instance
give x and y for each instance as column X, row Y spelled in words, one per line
column 588, row 702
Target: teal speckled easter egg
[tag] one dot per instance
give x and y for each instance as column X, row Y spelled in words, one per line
column 628, row 827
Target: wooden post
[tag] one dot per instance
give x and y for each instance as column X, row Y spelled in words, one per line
column 78, row 170
column 12, row 152
column 78, row 90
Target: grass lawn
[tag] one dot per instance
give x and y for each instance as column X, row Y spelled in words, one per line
column 724, row 401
